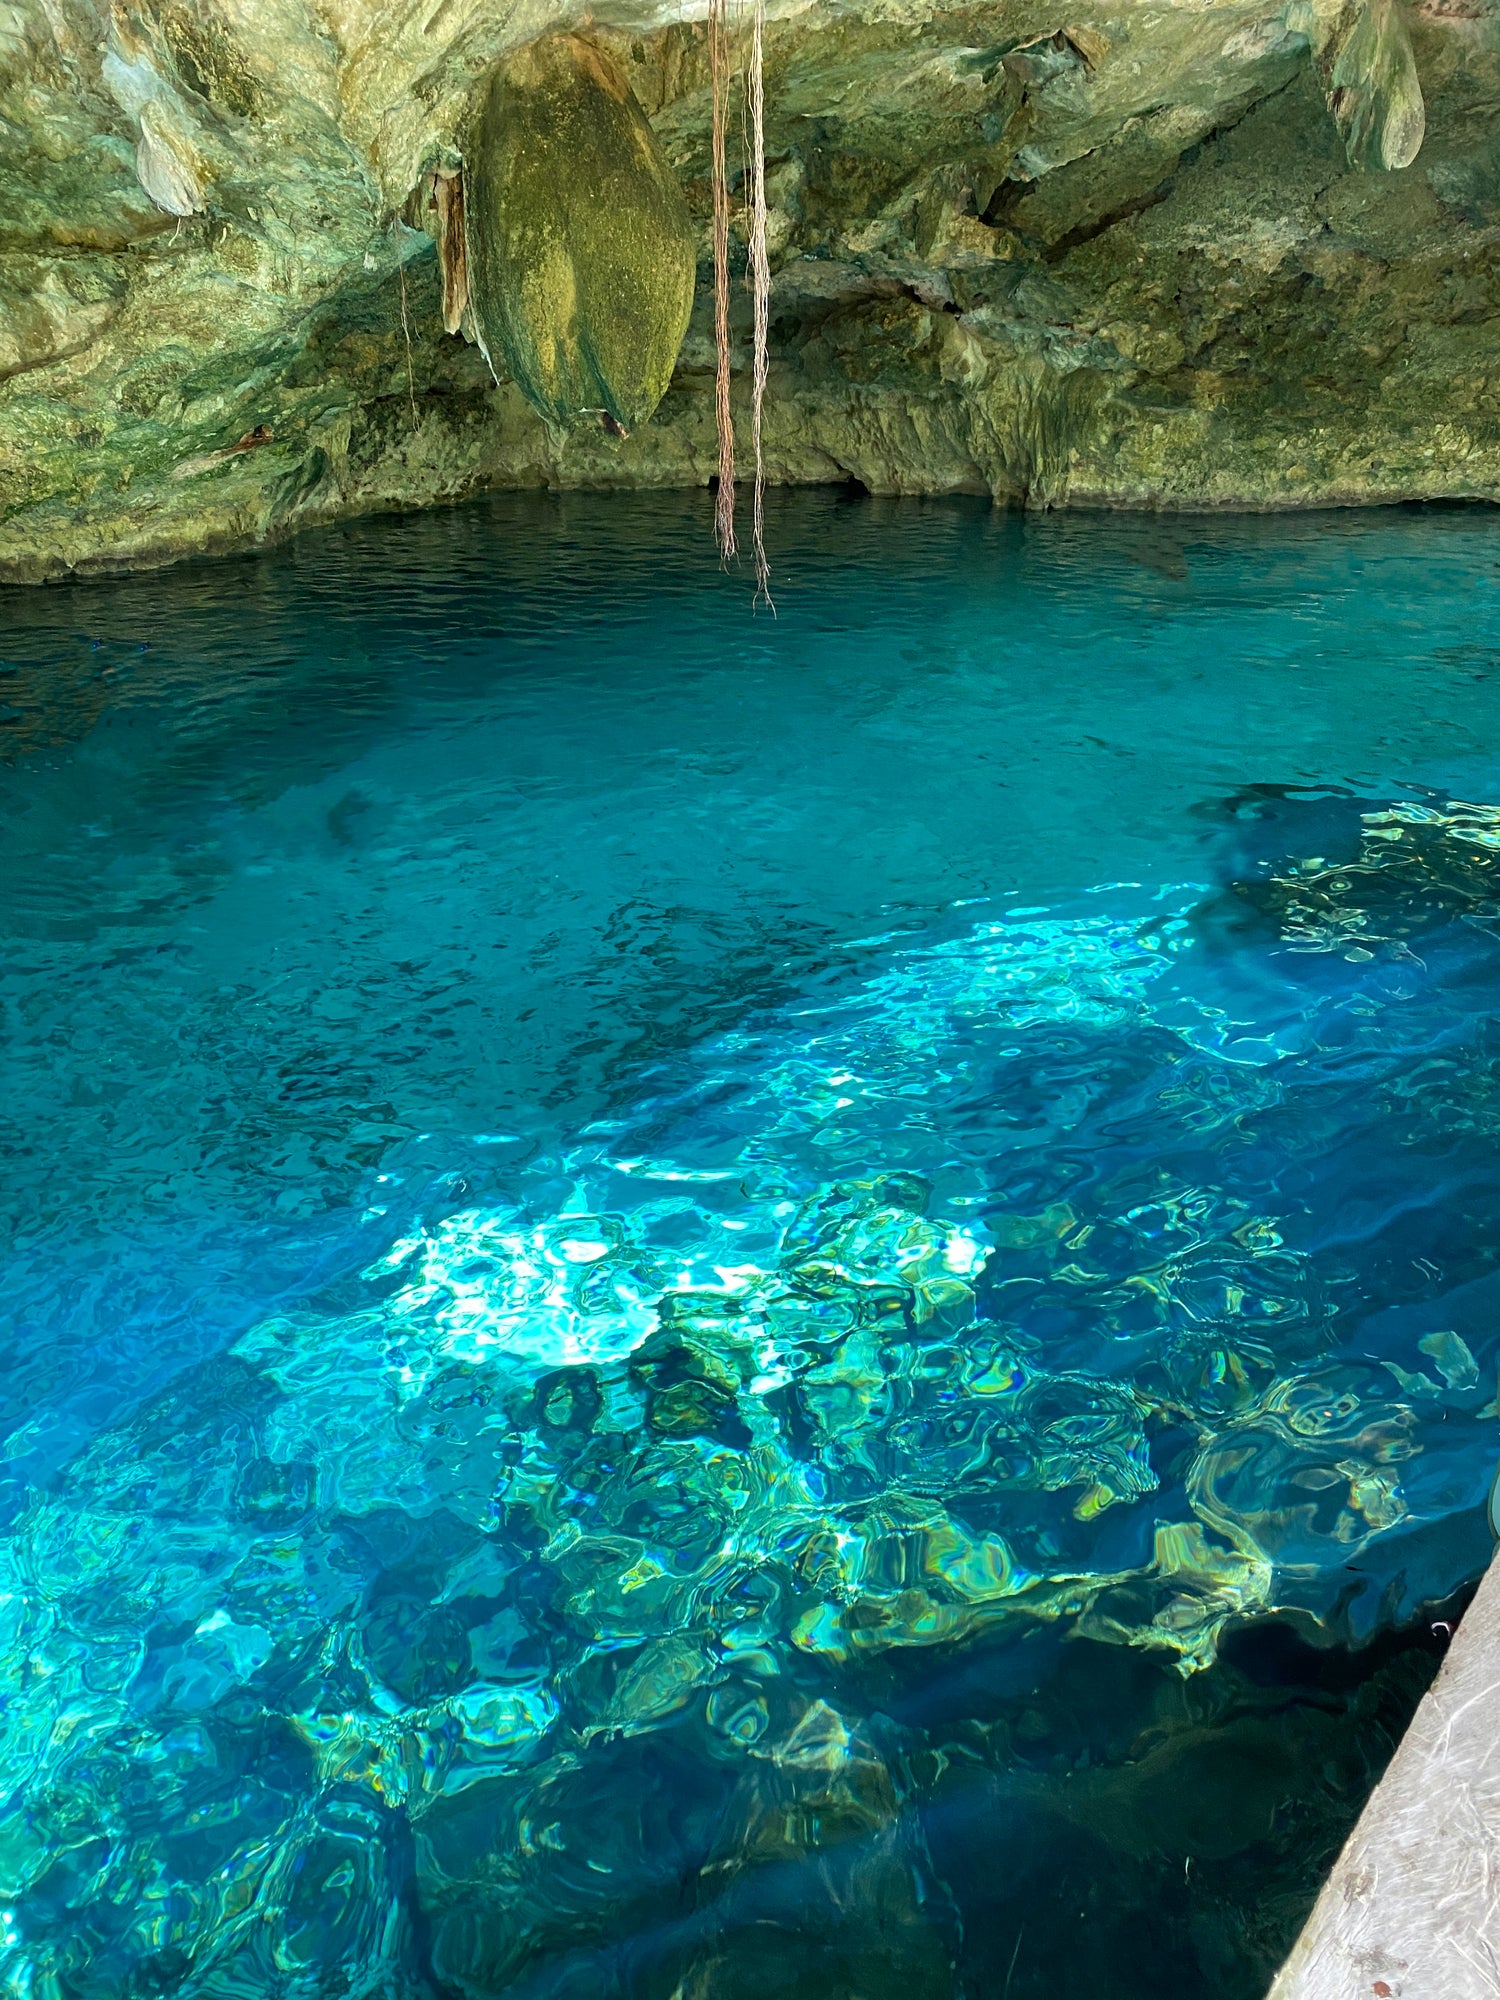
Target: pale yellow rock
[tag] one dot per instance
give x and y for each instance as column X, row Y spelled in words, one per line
column 166, row 162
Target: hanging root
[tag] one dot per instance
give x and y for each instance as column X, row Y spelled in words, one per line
column 760, row 288
column 759, row 274
column 411, row 379
column 718, row 62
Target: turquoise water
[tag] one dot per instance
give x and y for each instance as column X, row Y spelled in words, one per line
column 699, row 1306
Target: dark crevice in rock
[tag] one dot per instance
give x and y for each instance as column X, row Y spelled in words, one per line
column 851, row 487
column 926, row 296
column 1087, row 231
column 1191, row 155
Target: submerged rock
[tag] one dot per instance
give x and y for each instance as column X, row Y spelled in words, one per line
column 704, row 1575
column 580, row 246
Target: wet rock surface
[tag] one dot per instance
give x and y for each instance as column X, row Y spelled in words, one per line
column 1224, row 256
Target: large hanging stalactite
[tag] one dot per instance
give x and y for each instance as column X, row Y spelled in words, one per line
column 581, row 255
column 1374, row 91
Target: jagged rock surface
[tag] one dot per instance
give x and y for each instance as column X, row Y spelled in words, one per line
column 1235, row 254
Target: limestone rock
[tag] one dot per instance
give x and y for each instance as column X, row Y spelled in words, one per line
column 1122, row 257
column 580, row 247
column 167, row 160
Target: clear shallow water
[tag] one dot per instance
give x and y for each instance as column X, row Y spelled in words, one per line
column 678, row 1289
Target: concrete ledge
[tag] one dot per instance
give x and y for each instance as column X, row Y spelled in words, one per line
column 1411, row 1910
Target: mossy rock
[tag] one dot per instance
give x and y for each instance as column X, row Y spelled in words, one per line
column 581, row 253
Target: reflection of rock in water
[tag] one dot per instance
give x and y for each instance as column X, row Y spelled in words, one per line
column 1262, row 824
column 1154, row 549
column 46, row 704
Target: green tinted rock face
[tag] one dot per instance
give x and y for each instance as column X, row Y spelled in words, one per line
column 1222, row 254
column 580, row 247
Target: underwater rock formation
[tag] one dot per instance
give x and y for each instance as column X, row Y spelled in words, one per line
column 576, row 1590
column 580, row 247
column 1240, row 254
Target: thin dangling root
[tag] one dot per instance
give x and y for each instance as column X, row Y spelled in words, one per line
column 411, row 379
column 760, row 288
column 718, row 61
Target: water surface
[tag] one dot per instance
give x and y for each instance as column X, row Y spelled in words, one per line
column 698, row 1305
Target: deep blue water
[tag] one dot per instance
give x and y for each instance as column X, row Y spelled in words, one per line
column 700, row 1306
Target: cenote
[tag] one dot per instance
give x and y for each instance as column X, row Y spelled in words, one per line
column 705, row 1306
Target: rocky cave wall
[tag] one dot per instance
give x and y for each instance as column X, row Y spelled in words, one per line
column 1094, row 252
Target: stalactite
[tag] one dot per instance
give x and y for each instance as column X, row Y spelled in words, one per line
column 718, row 59
column 453, row 263
column 760, row 287
column 581, row 254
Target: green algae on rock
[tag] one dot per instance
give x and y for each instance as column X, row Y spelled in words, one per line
column 580, row 248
